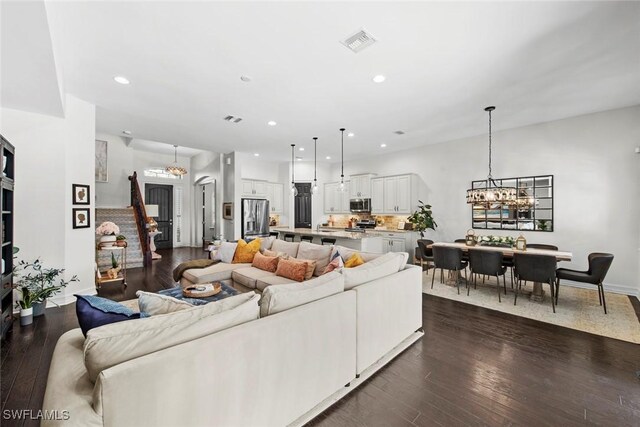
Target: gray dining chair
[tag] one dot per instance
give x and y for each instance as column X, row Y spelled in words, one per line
column 535, row 268
column 487, row 263
column 599, row 264
column 449, row 259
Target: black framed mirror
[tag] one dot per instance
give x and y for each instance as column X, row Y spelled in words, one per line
column 532, row 211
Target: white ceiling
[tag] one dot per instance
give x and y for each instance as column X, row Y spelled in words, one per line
column 161, row 148
column 444, row 62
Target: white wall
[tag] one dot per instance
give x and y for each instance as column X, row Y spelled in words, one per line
column 597, row 183
column 205, row 167
column 116, row 192
column 52, row 154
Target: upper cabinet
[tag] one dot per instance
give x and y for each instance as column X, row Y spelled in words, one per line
column 360, row 186
column 336, row 201
column 254, row 188
column 394, row 194
column 275, row 195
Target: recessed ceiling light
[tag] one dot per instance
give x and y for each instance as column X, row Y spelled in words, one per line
column 383, row 145
column 301, row 148
column 351, row 134
column 126, row 132
column 245, row 79
column 271, row 123
column 256, row 154
column 328, row 157
column 122, row 80
column 298, row 158
column 379, row 78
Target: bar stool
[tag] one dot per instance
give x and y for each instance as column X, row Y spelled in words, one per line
column 535, row 268
column 328, row 240
column 274, row 233
column 306, row 239
column 288, row 237
column 599, row 264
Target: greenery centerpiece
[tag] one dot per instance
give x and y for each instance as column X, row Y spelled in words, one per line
column 502, row 241
column 422, row 219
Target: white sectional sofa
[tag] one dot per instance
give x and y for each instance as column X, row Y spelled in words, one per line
column 313, row 343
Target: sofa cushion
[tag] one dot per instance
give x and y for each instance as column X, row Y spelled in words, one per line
column 225, row 252
column 247, row 276
column 94, row 311
column 289, row 248
column 113, row 344
column 214, row 273
column 385, row 265
column 311, row 268
column 246, row 251
column 292, row 269
column 154, row 304
column 266, row 263
column 267, row 242
column 318, row 253
column 271, row 253
column 347, row 252
column 354, row 260
column 263, row 282
column 280, row 298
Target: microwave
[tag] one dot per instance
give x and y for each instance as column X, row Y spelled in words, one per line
column 360, row 205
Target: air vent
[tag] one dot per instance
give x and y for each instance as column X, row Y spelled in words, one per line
column 399, row 132
column 359, row 41
column 233, row 119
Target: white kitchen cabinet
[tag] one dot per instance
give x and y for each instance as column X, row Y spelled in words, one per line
column 360, row 186
column 404, row 195
column 275, row 195
column 393, row 195
column 336, row 201
column 393, row 245
column 254, row 188
column 377, row 195
column 345, row 200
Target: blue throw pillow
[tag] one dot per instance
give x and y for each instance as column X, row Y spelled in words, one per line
column 93, row 311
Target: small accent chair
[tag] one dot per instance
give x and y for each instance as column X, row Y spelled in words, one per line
column 487, row 263
column 448, row 259
column 306, row 239
column 535, row 268
column 599, row 264
column 288, row 237
column 328, row 241
column 424, row 254
column 274, row 234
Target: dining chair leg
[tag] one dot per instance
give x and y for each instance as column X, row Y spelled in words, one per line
column 456, row 276
column 553, row 299
column 599, row 296
column 604, row 303
column 441, row 275
column 515, row 299
column 504, row 282
column 557, row 290
column 498, row 286
column 433, row 276
column 511, row 268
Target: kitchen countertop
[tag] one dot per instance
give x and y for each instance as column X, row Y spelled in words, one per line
column 337, row 233
column 374, row 230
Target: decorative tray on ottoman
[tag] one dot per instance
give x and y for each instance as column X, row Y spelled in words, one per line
column 203, row 290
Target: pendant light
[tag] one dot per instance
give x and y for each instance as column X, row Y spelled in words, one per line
column 341, row 188
column 491, row 192
column 314, row 189
column 174, row 169
column 294, row 190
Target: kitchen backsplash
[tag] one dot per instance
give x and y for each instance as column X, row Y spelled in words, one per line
column 388, row 221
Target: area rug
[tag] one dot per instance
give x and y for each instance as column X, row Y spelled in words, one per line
column 577, row 308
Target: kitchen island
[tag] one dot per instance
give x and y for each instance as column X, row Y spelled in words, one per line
column 368, row 241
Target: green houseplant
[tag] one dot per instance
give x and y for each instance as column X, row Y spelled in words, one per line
column 422, row 219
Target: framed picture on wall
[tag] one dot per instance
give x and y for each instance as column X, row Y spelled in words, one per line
column 227, row 210
column 81, row 217
column 81, row 194
column 102, row 173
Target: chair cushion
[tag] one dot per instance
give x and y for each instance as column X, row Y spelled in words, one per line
column 248, row 276
column 264, row 282
column 289, row 248
column 214, row 273
column 246, row 251
column 318, row 253
column 113, row 344
column 280, row 298
column 575, row 275
column 385, row 265
column 266, row 263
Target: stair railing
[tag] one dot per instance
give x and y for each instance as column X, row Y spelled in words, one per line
column 140, row 214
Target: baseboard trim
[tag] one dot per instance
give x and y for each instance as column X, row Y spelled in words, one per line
column 608, row 287
column 68, row 299
column 364, row 375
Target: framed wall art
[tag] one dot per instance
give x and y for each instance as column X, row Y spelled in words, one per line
column 227, row 210
column 81, row 217
column 102, row 173
column 81, row 194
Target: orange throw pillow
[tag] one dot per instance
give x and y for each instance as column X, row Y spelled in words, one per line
column 292, row 269
column 311, row 267
column 246, row 251
column 266, row 263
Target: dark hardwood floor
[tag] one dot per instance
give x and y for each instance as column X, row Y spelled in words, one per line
column 473, row 367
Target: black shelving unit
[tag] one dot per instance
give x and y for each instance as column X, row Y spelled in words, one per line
column 7, row 175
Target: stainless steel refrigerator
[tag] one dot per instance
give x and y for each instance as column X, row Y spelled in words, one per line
column 255, row 218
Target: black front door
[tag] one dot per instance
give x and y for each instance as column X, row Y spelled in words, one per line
column 303, row 206
column 162, row 195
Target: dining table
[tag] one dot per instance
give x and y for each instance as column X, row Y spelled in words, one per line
column 538, row 293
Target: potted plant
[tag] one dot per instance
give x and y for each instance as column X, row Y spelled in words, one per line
column 121, row 240
column 38, row 285
column 422, row 219
column 108, row 231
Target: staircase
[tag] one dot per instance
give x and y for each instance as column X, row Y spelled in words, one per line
column 125, row 219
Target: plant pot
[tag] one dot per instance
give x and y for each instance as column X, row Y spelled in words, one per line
column 38, row 308
column 26, row 316
column 108, row 240
column 121, row 243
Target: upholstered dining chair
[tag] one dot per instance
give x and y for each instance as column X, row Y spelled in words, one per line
column 425, row 254
column 599, row 264
column 449, row 259
column 542, row 246
column 465, row 257
column 487, row 263
column 535, row 268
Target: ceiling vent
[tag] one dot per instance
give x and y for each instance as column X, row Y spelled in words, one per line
column 359, row 41
column 233, row 119
column 399, row 132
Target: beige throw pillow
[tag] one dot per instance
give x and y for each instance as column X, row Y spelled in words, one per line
column 289, row 248
column 154, row 304
column 318, row 253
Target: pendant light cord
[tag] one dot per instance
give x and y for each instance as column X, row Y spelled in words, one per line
column 293, row 169
column 342, row 155
column 315, row 157
column 175, row 154
column 490, row 177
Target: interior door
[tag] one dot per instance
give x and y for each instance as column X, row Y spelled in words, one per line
column 302, row 206
column 162, row 195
